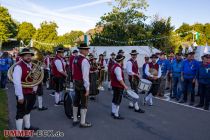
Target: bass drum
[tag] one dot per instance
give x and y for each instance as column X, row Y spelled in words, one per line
column 68, row 104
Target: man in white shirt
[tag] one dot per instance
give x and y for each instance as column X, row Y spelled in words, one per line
column 153, row 72
column 26, row 97
column 80, row 72
column 59, row 75
column 134, row 77
column 118, row 86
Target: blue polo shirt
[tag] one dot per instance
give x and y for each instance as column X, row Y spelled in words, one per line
column 4, row 64
column 203, row 74
column 143, row 71
column 190, row 68
column 165, row 65
column 176, row 68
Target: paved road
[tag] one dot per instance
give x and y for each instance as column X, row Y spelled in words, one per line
column 163, row 121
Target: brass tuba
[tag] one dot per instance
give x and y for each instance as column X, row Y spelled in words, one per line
column 36, row 75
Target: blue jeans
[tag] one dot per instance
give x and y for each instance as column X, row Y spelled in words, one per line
column 177, row 87
column 3, row 79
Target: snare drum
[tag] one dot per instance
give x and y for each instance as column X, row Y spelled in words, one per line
column 145, row 85
column 131, row 95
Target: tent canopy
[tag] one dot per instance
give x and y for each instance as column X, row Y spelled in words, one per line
column 142, row 50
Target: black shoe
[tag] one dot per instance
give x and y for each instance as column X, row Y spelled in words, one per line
column 42, row 109
column 118, row 117
column 139, row 110
column 182, row 101
column 23, row 138
column 191, row 103
column 199, row 106
column 34, row 107
column 62, row 102
column 86, row 125
column 112, row 114
column 206, row 108
column 52, row 94
column 172, row 97
column 92, row 98
column 131, row 107
column 58, row 104
column 167, row 88
column 75, row 123
column 32, row 128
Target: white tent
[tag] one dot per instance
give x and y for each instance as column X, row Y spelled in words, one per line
column 200, row 51
column 142, row 50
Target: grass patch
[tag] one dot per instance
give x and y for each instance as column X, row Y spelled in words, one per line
column 4, row 119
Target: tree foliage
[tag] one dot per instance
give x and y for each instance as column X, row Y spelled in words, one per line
column 8, row 27
column 47, row 33
column 124, row 23
column 25, row 32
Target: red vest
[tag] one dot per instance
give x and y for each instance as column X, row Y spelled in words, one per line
column 114, row 81
column 77, row 68
column 101, row 63
column 135, row 67
column 18, row 59
column 55, row 72
column 46, row 61
column 156, row 66
column 110, row 65
column 25, row 71
column 71, row 62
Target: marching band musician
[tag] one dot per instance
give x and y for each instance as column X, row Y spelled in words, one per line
column 111, row 62
column 118, row 86
column 59, row 74
column 102, row 68
column 46, row 69
column 81, row 70
column 134, row 77
column 74, row 54
column 153, row 72
column 93, row 77
column 26, row 97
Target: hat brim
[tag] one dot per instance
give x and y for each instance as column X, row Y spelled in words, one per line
column 118, row 60
column 134, row 53
column 21, row 54
column 154, row 57
column 83, row 48
column 191, row 53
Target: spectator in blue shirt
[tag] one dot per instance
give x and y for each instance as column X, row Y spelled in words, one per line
column 176, row 68
column 165, row 67
column 203, row 77
column 188, row 76
column 4, row 66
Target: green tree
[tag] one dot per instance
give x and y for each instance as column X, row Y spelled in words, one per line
column 45, row 36
column 70, row 37
column 8, row 27
column 162, row 31
column 25, row 32
column 125, row 23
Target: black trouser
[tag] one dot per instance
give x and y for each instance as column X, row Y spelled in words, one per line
column 46, row 75
column 59, row 83
column 39, row 91
column 204, row 91
column 188, row 86
column 26, row 107
column 80, row 99
column 117, row 96
column 134, row 83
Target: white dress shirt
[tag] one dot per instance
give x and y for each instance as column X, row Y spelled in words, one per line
column 59, row 66
column 118, row 73
column 149, row 74
column 85, row 72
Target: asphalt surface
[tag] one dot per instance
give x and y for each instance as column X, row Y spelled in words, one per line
column 163, row 121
